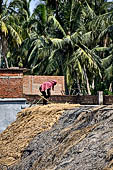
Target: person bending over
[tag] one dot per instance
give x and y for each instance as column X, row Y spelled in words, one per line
column 45, row 89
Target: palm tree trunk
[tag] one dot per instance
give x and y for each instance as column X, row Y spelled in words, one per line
column 105, row 42
column 78, row 85
column 93, row 84
column 87, row 81
column 4, row 51
column 110, row 87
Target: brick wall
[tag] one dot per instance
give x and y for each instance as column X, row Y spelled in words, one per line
column 31, row 84
column 108, row 100
column 11, row 83
column 83, row 100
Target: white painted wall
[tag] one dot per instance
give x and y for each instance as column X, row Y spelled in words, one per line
column 8, row 111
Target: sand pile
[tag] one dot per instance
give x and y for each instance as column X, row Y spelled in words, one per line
column 49, row 138
column 82, row 139
column 30, row 122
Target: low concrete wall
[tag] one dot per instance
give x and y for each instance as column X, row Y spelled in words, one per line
column 8, row 110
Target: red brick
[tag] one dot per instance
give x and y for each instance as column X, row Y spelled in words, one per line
column 31, row 84
column 11, row 83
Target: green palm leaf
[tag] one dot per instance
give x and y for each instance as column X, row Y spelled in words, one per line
column 14, row 35
column 106, row 62
column 58, row 43
column 109, row 72
column 56, row 24
column 4, row 28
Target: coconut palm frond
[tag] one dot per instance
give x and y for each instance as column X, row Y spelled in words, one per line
column 106, row 5
column 78, row 68
column 51, row 67
column 39, row 47
column 109, row 72
column 90, row 11
column 101, row 49
column 43, row 52
column 25, row 14
column 56, row 24
column 94, row 57
column 87, row 57
column 75, row 37
column 40, row 66
column 41, row 12
column 44, row 14
column 87, row 38
column 67, row 40
column 14, row 35
column 16, row 3
column 106, row 62
column 76, row 56
column 58, row 43
column 52, row 54
column 35, row 46
column 3, row 28
column 99, row 22
column 109, row 29
column 32, row 53
column 34, row 62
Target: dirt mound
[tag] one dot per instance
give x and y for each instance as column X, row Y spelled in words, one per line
column 49, row 138
column 30, row 122
column 81, row 139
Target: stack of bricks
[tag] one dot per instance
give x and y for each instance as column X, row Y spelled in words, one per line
column 31, row 84
column 11, row 83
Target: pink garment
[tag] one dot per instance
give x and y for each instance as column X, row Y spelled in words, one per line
column 47, row 85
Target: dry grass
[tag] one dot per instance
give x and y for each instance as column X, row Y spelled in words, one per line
column 29, row 123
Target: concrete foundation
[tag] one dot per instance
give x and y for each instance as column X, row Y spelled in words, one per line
column 9, row 107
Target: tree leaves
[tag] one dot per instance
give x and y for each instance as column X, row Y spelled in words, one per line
column 4, row 28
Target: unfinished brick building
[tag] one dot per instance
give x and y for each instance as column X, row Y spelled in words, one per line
column 14, row 84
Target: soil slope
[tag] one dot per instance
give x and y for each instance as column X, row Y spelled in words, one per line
column 77, row 139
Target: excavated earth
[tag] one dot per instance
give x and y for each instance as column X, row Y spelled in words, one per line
column 59, row 137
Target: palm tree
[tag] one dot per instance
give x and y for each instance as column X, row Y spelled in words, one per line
column 26, row 25
column 8, row 31
column 66, row 53
column 102, row 24
column 66, row 40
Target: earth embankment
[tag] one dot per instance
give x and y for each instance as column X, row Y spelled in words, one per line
column 78, row 138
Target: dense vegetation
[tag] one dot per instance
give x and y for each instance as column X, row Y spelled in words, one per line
column 73, row 38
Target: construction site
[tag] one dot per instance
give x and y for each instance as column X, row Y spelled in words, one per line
column 69, row 133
